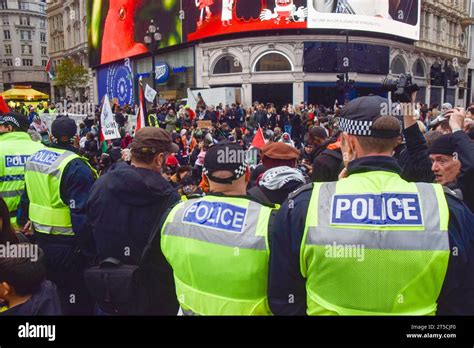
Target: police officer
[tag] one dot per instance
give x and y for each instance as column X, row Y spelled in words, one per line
column 372, row 243
column 58, row 182
column 218, row 245
column 16, row 147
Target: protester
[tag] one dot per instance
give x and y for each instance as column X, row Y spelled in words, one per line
column 127, row 202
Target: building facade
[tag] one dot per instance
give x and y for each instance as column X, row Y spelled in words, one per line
column 285, row 61
column 24, row 50
column 292, row 66
column 67, row 29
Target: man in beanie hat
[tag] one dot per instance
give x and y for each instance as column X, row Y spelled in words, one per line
column 58, row 181
column 16, row 147
column 123, row 208
column 372, row 243
column 201, row 238
column 452, row 157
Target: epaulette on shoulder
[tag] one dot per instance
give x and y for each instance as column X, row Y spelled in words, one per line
column 307, row 187
column 453, row 193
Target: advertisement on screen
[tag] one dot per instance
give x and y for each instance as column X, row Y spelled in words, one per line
column 116, row 80
column 394, row 17
column 205, row 18
column 117, row 28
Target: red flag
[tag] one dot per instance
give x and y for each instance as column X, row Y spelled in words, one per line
column 4, row 109
column 141, row 111
column 258, row 141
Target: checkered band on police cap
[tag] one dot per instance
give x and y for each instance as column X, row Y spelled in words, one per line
column 356, row 127
column 358, row 117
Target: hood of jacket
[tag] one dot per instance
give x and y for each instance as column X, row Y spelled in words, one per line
column 136, row 186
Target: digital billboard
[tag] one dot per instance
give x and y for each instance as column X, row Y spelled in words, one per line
column 116, row 80
column 394, row 17
column 117, row 28
column 206, row 18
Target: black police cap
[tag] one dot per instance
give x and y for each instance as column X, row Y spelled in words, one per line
column 63, row 126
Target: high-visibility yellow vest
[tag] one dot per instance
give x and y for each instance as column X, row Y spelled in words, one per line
column 44, row 170
column 375, row 244
column 153, row 121
column 218, row 249
column 15, row 149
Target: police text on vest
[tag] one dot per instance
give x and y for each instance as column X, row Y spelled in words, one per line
column 37, row 331
column 387, row 209
column 216, row 215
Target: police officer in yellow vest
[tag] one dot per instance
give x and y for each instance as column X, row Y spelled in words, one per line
column 372, row 243
column 58, row 182
column 218, row 245
column 16, row 147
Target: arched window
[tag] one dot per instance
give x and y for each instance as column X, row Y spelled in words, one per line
column 419, row 68
column 273, row 61
column 398, row 66
column 227, row 65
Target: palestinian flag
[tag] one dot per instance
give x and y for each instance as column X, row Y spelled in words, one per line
column 49, row 69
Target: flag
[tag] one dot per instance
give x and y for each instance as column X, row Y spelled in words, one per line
column 142, row 108
column 49, row 69
column 150, row 94
column 258, row 141
column 4, row 109
column 108, row 127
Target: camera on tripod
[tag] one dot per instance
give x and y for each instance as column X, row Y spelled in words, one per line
column 401, row 89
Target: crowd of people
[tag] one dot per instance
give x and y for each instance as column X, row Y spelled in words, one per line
column 152, row 205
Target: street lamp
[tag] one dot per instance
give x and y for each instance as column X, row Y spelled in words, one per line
column 152, row 38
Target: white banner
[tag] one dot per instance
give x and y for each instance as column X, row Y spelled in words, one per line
column 107, row 121
column 150, row 93
column 49, row 119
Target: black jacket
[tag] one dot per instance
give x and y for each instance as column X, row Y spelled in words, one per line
column 43, row 302
column 123, row 207
column 327, row 166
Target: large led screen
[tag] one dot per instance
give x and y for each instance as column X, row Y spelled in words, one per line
column 117, row 28
column 395, row 17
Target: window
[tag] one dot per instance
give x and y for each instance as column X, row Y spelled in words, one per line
column 24, row 20
column 44, row 62
column 43, row 37
column 41, row 8
column 44, row 50
column 9, row 62
column 3, row 4
column 8, row 49
column 26, row 49
column 273, row 61
column 6, row 20
column 419, row 68
column 42, row 24
column 6, row 34
column 23, row 5
column 25, row 35
column 227, row 65
column 398, row 66
column 27, row 62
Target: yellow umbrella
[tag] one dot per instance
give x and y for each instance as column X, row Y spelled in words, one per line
column 26, row 94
